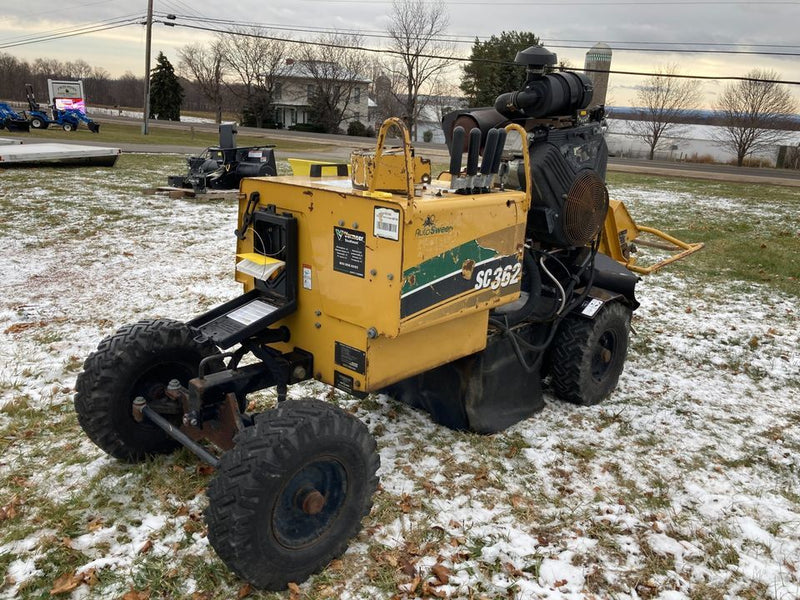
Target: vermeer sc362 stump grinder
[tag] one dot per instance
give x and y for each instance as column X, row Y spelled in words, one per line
column 457, row 295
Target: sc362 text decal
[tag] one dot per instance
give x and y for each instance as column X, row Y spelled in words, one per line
column 498, row 277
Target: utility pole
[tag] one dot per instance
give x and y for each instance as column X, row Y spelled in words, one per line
column 148, row 39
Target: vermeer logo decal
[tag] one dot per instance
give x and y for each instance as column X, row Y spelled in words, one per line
column 429, row 227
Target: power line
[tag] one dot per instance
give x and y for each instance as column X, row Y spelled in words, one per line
column 744, row 44
column 369, row 33
column 67, row 29
column 82, row 31
column 629, row 3
column 463, row 59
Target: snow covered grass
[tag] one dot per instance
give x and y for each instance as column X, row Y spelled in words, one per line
column 684, row 484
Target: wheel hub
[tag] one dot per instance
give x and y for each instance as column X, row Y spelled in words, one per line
column 310, row 501
column 603, row 355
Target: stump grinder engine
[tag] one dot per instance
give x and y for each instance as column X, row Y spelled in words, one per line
column 458, row 295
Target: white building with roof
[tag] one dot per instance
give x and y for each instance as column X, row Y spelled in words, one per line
column 300, row 80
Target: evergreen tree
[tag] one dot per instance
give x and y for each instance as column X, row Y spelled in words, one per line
column 166, row 93
column 485, row 79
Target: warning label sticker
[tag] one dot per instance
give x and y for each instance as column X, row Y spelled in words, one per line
column 349, row 251
column 343, row 382
column 350, row 358
column 387, row 223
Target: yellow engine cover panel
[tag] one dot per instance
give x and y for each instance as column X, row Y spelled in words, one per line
column 390, row 287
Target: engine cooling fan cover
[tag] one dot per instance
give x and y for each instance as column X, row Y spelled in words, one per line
column 585, row 208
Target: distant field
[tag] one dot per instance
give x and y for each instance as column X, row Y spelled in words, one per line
column 118, row 133
column 682, row 485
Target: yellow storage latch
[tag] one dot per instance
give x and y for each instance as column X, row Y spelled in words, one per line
column 387, row 173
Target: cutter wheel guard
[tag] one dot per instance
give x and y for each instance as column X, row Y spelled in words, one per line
column 498, row 260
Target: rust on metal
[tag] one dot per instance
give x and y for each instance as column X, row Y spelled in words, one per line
column 221, row 431
column 313, row 502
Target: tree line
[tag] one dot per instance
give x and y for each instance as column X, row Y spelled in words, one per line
column 752, row 114
column 242, row 71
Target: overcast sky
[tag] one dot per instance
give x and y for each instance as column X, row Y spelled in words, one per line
column 748, row 25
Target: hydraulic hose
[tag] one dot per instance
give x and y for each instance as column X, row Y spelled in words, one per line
column 534, row 291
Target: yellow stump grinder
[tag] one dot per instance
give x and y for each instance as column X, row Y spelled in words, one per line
column 458, row 295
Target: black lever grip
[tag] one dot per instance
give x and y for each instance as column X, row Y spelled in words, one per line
column 456, row 150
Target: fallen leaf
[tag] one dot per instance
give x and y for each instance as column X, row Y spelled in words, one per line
column 430, row 487
column 90, row 577
column 512, row 570
column 205, row 470
column 65, row 584
column 336, row 564
column 146, row 547
column 430, row 590
column 408, row 567
column 244, row 591
column 387, row 558
column 132, row 594
column 405, row 503
column 441, row 572
column 560, row 583
column 20, row 327
column 294, row 591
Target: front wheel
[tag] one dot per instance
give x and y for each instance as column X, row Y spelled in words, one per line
column 292, row 492
column 37, row 123
column 138, row 360
column 68, row 127
column 587, row 356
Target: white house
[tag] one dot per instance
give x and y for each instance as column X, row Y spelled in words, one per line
column 298, row 83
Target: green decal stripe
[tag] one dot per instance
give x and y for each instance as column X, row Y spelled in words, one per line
column 444, row 264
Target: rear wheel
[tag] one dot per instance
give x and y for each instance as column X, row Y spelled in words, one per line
column 37, row 123
column 292, row 492
column 138, row 360
column 587, row 356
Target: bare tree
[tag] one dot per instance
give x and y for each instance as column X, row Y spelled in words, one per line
column 14, row 74
column 206, row 65
column 128, row 90
column 415, row 31
column 752, row 114
column 258, row 60
column 661, row 100
column 336, row 70
column 78, row 69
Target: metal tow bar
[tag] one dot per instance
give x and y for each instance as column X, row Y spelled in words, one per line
column 142, row 411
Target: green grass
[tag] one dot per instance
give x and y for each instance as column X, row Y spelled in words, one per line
column 122, row 133
column 762, row 247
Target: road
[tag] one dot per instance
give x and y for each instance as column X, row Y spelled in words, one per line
column 342, row 145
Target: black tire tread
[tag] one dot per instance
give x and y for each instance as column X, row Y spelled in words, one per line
column 102, row 368
column 570, row 355
column 258, row 460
